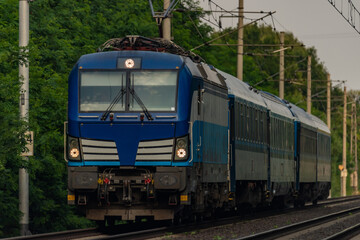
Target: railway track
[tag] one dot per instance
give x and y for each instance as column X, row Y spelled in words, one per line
column 346, row 234
column 297, row 229
column 72, row 234
column 149, row 230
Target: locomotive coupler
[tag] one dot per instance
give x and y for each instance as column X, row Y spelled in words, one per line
column 127, row 192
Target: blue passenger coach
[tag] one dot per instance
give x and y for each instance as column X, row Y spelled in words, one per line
column 154, row 132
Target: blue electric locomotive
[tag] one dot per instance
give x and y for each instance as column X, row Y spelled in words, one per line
column 154, row 132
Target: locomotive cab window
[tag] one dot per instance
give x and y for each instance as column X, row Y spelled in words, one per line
column 98, row 90
column 155, row 89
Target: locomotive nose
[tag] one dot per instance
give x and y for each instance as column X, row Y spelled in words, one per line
column 127, row 143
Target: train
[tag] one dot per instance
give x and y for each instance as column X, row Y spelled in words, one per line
column 154, row 132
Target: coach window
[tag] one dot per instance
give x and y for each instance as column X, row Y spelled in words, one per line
column 248, row 123
column 237, row 120
column 240, row 121
column 279, row 134
column 288, row 135
column 265, row 127
column 256, row 125
column 263, row 135
column 273, row 126
column 282, row 127
column 243, row 121
column 273, row 130
column 261, row 126
column 251, row 125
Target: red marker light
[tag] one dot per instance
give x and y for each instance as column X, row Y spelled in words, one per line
column 106, row 181
column 142, row 117
column 147, row 181
column 111, row 116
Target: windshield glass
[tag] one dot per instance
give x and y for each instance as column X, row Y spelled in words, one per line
column 156, row 89
column 98, row 90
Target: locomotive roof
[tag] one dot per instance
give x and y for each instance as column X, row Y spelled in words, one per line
column 308, row 119
column 320, row 124
column 301, row 115
column 149, row 59
column 276, row 105
column 241, row 89
column 205, row 71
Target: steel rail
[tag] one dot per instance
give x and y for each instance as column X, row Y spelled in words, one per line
column 61, row 235
column 292, row 228
column 347, row 233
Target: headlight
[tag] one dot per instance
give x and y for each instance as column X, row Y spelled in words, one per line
column 181, row 153
column 182, row 148
column 73, row 149
column 74, row 152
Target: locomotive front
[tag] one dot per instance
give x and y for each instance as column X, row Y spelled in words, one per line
column 127, row 135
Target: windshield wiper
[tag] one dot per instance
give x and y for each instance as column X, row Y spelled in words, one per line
column 141, row 104
column 118, row 96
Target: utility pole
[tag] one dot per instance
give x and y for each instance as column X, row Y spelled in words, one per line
column 344, row 170
column 24, row 110
column 308, row 98
column 353, row 147
column 351, row 141
column 355, row 153
column 328, row 108
column 240, row 48
column 166, row 23
column 281, row 70
column 328, row 103
column 352, row 129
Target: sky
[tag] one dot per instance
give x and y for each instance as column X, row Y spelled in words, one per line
column 316, row 23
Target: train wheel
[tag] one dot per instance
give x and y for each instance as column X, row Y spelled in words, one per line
column 110, row 221
column 177, row 220
column 100, row 224
column 299, row 203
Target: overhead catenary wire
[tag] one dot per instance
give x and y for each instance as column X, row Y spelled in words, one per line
column 318, row 93
column 302, row 60
column 206, row 43
column 196, row 27
column 210, row 1
column 217, row 25
column 281, row 24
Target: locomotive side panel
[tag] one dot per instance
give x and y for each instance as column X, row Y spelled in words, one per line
column 215, row 133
